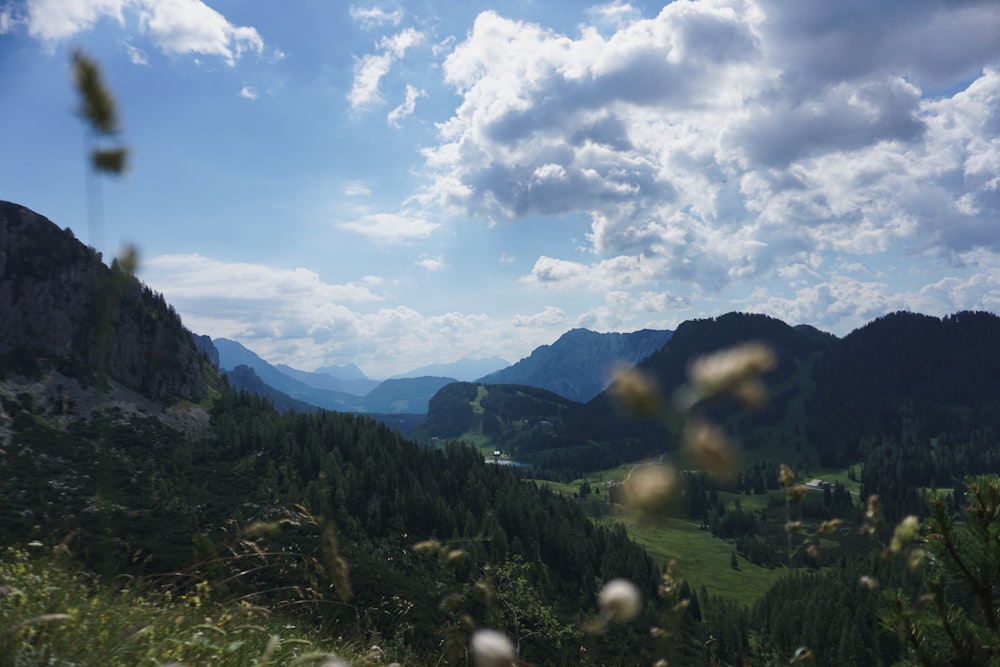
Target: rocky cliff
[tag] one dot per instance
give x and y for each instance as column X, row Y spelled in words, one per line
column 61, row 307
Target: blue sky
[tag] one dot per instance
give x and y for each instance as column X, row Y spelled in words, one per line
column 395, row 184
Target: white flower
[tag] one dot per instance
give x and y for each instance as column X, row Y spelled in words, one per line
column 492, row 649
column 620, row 601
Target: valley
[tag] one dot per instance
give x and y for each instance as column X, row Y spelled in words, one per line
column 130, row 454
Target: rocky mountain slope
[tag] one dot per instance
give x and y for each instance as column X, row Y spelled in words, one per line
column 580, row 363
column 62, row 308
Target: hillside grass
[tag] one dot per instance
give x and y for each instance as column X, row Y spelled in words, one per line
column 52, row 615
column 703, row 560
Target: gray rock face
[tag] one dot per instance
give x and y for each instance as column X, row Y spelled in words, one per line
column 61, row 306
column 204, row 345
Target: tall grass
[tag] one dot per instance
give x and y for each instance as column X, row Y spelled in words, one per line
column 51, row 614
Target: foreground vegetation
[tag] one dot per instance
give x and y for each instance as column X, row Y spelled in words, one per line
column 53, row 614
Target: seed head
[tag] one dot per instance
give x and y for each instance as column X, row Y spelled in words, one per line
column 726, row 369
column 620, row 601
column 636, row 392
column 710, row 448
column 785, row 475
column 492, row 649
column 650, row 489
column 908, row 529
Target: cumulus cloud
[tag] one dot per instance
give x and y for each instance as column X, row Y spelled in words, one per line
column 390, row 227
column 720, row 142
column 248, row 92
column 370, row 69
column 175, row 26
column 292, row 316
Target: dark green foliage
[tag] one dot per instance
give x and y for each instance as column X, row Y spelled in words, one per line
column 130, row 495
column 624, row 439
column 903, row 366
column 956, row 619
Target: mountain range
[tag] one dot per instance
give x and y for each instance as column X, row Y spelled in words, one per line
column 577, row 366
column 123, row 443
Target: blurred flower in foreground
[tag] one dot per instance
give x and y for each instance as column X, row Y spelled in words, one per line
column 735, row 370
column 636, row 392
column 710, row 449
column 492, row 649
column 620, row 601
column 650, row 488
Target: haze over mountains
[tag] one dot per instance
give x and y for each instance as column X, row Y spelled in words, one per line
column 577, row 366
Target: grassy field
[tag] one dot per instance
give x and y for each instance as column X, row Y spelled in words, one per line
column 703, row 560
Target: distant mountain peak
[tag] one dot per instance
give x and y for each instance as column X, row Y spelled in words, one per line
column 579, row 364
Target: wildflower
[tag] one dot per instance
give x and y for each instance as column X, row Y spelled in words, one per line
column 650, row 488
column 620, row 601
column 636, row 392
column 796, row 492
column 908, row 529
column 492, row 649
column 785, row 475
column 829, row 527
column 710, row 448
column 427, row 546
column 727, row 369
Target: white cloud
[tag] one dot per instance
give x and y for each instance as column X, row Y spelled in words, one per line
column 550, row 317
column 374, row 17
column 405, row 109
column 368, row 72
column 357, row 189
column 176, row 26
column 191, row 26
column 8, row 20
column 370, row 69
column 431, row 264
column 136, row 55
column 292, row 316
column 390, row 227
column 719, row 142
column 248, row 92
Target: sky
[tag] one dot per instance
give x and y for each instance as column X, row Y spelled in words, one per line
column 400, row 183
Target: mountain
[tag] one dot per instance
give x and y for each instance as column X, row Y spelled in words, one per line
column 233, row 354
column 907, row 370
column 405, row 395
column 509, row 417
column 409, row 395
column 580, row 363
column 598, row 435
column 463, row 370
column 255, row 503
column 328, row 381
column 344, row 372
column 63, row 309
column 243, row 377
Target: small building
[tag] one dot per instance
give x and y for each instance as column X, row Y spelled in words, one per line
column 818, row 485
